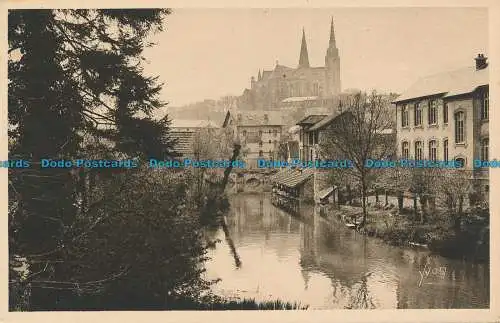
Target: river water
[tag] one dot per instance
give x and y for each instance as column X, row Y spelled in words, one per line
column 325, row 265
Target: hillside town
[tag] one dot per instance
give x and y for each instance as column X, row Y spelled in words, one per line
column 297, row 193
column 288, row 113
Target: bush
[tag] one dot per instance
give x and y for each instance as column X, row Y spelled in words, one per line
column 141, row 248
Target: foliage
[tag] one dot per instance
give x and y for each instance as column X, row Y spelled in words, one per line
column 357, row 134
column 94, row 238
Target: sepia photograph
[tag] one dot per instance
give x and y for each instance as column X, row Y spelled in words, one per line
column 210, row 159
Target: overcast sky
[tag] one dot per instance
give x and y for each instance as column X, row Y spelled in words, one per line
column 208, row 53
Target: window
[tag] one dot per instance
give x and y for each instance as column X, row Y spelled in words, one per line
column 315, row 89
column 433, row 150
column 432, row 115
column 460, row 162
column 418, row 150
column 260, row 143
column 404, row 116
column 418, row 114
column 275, row 132
column 485, row 106
column 275, row 142
column 260, row 133
column 311, row 138
column 445, row 112
column 261, row 153
column 445, row 150
column 485, row 143
column 270, row 153
column 459, row 127
column 244, row 133
column 269, row 140
column 405, row 149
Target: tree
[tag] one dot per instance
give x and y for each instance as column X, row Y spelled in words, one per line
column 76, row 90
column 359, row 134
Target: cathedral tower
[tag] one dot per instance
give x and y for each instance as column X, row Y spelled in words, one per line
column 332, row 66
column 304, row 56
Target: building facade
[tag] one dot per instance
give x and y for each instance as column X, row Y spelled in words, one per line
column 271, row 87
column 445, row 117
column 259, row 134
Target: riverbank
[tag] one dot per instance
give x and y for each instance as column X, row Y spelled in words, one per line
column 439, row 233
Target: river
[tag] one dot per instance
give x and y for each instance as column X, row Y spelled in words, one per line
column 325, row 265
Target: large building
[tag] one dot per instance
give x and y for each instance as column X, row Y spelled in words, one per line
column 304, row 83
column 445, row 117
column 259, row 133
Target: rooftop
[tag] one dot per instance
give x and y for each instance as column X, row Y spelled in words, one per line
column 325, row 121
column 259, row 118
column 312, row 119
column 178, row 123
column 292, row 177
column 457, row 82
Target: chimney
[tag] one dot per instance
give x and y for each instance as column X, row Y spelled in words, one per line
column 481, row 62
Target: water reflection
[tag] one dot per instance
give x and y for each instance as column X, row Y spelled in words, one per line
column 327, row 266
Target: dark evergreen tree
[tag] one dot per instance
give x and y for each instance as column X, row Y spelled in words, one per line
column 76, row 90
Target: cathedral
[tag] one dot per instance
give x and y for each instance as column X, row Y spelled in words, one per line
column 273, row 89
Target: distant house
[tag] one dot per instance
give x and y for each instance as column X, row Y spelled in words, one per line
column 308, row 140
column 184, row 131
column 259, row 133
column 446, row 117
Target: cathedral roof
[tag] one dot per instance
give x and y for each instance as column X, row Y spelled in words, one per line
column 461, row 81
column 300, row 99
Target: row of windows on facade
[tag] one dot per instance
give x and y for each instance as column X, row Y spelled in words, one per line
column 298, row 90
column 274, row 132
column 432, row 115
column 275, row 142
column 460, row 134
column 433, row 149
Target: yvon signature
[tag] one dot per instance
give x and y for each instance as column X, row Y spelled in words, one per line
column 428, row 271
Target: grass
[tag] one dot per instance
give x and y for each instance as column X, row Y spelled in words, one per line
column 250, row 304
column 437, row 233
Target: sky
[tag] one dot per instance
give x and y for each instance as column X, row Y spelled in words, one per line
column 209, row 53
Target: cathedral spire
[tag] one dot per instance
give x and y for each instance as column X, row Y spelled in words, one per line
column 259, row 77
column 332, row 36
column 304, row 56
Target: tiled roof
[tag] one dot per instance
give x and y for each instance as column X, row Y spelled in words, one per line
column 312, row 119
column 462, row 81
column 325, row 121
column 184, row 143
column 292, row 177
column 258, row 118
